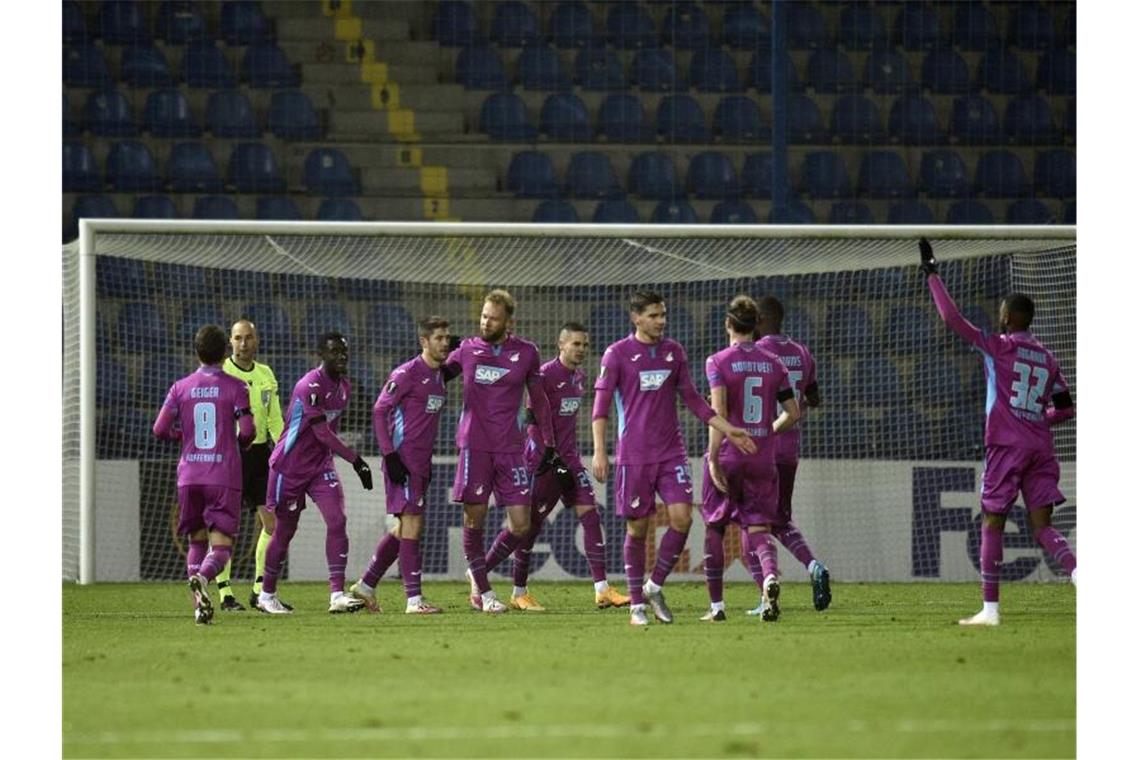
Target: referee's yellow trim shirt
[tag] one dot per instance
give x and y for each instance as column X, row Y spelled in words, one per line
column 263, row 399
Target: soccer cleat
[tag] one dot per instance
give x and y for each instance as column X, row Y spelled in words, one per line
column 757, row 610
column 253, row 605
column 231, row 604
column 637, row 616
column 526, row 602
column 610, row 598
column 820, row 587
column 714, row 616
column 422, row 608
column 982, row 618
column 771, row 611
column 476, row 598
column 358, row 591
column 344, row 603
column 661, row 610
column 494, row 606
column 203, row 609
column 273, row 606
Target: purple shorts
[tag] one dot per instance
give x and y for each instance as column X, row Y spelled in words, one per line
column 211, row 507
column 715, row 509
column 637, row 485
column 547, row 492
column 408, row 499
column 285, row 494
column 1009, row 470
column 787, row 474
column 481, row 473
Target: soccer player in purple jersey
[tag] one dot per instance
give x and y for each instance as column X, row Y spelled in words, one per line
column 1026, row 396
column 496, row 366
column 302, row 463
column 748, row 385
column 405, row 420
column 564, row 382
column 199, row 411
column 642, row 375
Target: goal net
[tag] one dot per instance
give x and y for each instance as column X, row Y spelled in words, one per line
column 891, row 461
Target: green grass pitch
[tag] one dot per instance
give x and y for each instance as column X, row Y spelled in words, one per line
column 884, row 673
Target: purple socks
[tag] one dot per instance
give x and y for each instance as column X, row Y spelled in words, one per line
column 505, row 543
column 634, row 552
column 277, row 549
column 714, row 562
column 789, row 535
column 473, row 553
column 385, row 555
column 991, row 553
column 215, row 561
column 763, row 546
column 594, row 544
column 672, row 544
column 195, row 553
column 1057, row 547
column 411, row 565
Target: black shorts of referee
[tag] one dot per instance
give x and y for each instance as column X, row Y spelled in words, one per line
column 255, row 474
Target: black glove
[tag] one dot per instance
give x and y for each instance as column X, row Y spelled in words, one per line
column 364, row 472
column 928, row 266
column 549, row 459
column 397, row 472
column 566, row 479
column 453, row 342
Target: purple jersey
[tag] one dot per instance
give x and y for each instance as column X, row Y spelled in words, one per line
column 564, row 387
column 753, row 380
column 801, row 373
column 300, row 455
column 494, row 376
column 644, row 380
column 1022, row 377
column 205, row 404
column 406, row 414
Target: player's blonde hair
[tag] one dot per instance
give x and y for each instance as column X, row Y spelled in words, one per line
column 500, row 297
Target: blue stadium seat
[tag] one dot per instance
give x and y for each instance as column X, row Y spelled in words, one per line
column 165, row 369
column 599, row 70
column 531, row 175
column 555, row 212
column 514, row 24
column 1057, row 72
column 253, row 169
column 653, row 175
column 195, row 314
column 1070, row 213
column 191, row 169
column 245, row 286
column 944, row 72
column 74, row 23
column 204, row 65
column 850, row 212
column 733, row 211
column 712, row 175
column 215, row 207
column 849, row 331
column 108, row 114
column 80, row 172
column 906, row 434
column 277, row 208
column 973, row 121
column 999, row 174
column 796, row 212
column 120, row 278
column 909, row 330
column 615, row 211
column 141, row 327
column 942, row 174
column 737, row 119
column 572, row 25
column 713, row 70
column 823, row 174
column 85, row 66
column 884, row 174
column 974, row 27
column 674, row 212
column 1055, row 173
column 746, row 28
column 654, row 70
column 121, row 22
column 70, row 127
column 680, row 119
column 389, row 327
column 1029, row 211
column 145, row 66
column 621, row 118
column 110, row 381
column 503, row 117
column 831, row 71
column 324, row 317
column 686, row 27
column 861, row 28
column 192, row 281
column 131, row 168
column 455, row 24
column 805, row 122
column 937, row 381
column 798, row 324
column 608, row 324
column 289, row 369
column 910, row 212
column 628, row 26
column 540, row 68
column 292, row 116
column 243, row 23
column 339, row 210
column 154, row 207
column 265, row 65
column 887, row 72
column 807, row 29
column 878, row 382
column 230, row 114
column 756, row 175
column 179, row 22
column 1001, row 72
column 969, row 212
column 856, row 119
column 917, row 26
column 1031, row 27
column 328, row 172
column 478, row 68
column 760, row 72
column 913, row 121
column 682, row 327
column 590, row 175
column 1029, row 121
column 168, row 114
column 564, row 117
column 274, row 331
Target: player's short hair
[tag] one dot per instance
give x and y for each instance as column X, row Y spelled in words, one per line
column 431, row 324
column 643, row 299
column 771, row 310
column 743, row 314
column 210, row 344
column 1020, row 308
column 500, row 297
column 572, row 326
column 332, row 335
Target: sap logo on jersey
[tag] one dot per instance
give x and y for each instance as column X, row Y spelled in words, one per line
column 653, row 379
column 485, row 375
column 434, row 404
column 569, row 407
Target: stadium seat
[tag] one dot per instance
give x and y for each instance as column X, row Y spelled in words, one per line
column 807, row 29
column 1029, row 121
column 117, row 277
column 733, row 211
column 856, row 120
column 191, row 169
column 760, row 73
column 674, row 212
column 74, row 23
column 737, row 119
column 110, row 381
column 215, row 207
column 909, row 330
column 121, row 22
column 1055, row 173
column 823, row 174
column 850, row 212
column 621, row 118
column 590, row 175
column 944, row 72
column 131, row 168
column 531, row 175
column 615, row 211
column 654, row 70
column 756, row 175
column 478, row 68
column 141, row 327
column 292, row 116
column 942, row 174
column 628, row 26
column 973, row 121
column 999, row 174
column 680, row 119
column 555, row 212
column 686, row 27
column 540, row 68
column 154, row 207
column 572, row 25
column 339, row 210
column 653, row 175
column 503, row 117
column 913, row 121
column 805, row 122
column 887, row 72
column 910, row 212
column 390, row 327
column 195, row 314
column 328, row 172
column 796, row 212
column 204, row 65
column 145, row 66
column 564, row 117
column 243, row 23
column 265, row 65
column 711, row 175
column 1057, row 72
column 849, row 331
column 713, row 70
column 514, row 25
column 70, row 127
column 969, row 212
column 1070, row 213
column 80, row 172
column 906, row 434
column 167, row 114
column 289, row 369
column 746, row 28
column 861, row 27
column 245, row 286
column 1031, row 27
column 85, row 66
column 830, row 72
column 878, row 382
column 917, row 26
column 253, row 169
column 1001, row 72
column 107, row 113
column 277, row 208
column 884, row 174
column 1029, row 211
column 974, row 27
column 325, row 317
column 937, row 380
column 599, row 70
column 230, row 114
column 274, row 330
column 455, row 24
column 179, row 22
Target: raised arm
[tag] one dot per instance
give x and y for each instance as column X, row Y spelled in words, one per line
column 947, row 309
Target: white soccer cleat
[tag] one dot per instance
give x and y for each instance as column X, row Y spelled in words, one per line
column 344, row 603
column 493, row 605
column 714, row 616
column 1073, row 577
column 359, row 591
column 982, row 618
column 661, row 610
column 757, row 610
column 422, row 608
column 203, row 608
column 270, row 604
column 638, row 616
column 475, row 597
column 770, row 600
